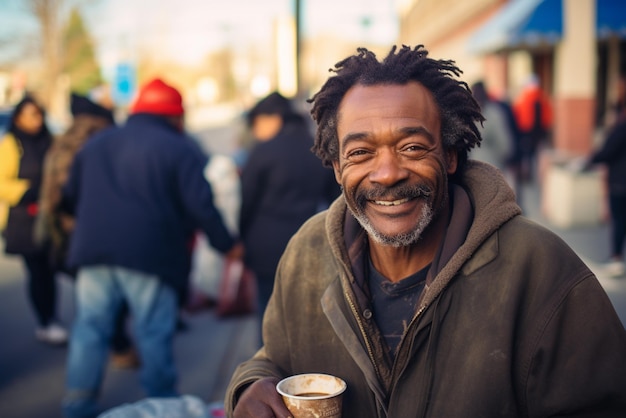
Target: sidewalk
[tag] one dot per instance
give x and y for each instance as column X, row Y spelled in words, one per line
column 591, row 242
column 32, row 374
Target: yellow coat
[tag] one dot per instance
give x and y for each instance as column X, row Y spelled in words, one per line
column 12, row 188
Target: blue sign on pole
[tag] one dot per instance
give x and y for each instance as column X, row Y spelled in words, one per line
column 125, row 84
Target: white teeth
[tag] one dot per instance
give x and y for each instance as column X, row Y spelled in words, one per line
column 392, row 203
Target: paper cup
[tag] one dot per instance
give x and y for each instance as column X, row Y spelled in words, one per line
column 312, row 395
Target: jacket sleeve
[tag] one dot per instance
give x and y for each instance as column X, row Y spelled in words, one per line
column 197, row 199
column 11, row 187
column 266, row 362
column 257, row 368
column 578, row 366
column 252, row 187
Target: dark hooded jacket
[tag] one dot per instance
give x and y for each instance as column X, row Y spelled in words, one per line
column 511, row 322
column 282, row 185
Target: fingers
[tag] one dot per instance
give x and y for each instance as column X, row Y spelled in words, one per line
column 260, row 400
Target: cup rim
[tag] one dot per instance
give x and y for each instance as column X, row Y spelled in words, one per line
column 295, row 376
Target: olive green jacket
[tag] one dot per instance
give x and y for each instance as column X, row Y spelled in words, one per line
column 511, row 323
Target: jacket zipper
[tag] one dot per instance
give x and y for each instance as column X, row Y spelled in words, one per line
column 422, row 396
column 370, row 352
column 415, row 318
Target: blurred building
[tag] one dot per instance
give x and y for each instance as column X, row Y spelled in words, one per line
column 5, row 79
column 577, row 48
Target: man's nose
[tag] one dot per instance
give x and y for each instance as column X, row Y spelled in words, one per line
column 388, row 168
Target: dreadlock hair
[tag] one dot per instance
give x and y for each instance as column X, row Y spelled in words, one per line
column 458, row 109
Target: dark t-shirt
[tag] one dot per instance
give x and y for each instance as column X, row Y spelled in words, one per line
column 394, row 304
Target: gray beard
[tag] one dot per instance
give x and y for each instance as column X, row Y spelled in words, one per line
column 399, row 240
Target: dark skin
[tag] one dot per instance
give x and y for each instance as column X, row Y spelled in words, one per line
column 261, row 400
column 389, row 137
column 30, row 119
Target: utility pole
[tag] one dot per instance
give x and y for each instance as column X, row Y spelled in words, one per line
column 298, row 18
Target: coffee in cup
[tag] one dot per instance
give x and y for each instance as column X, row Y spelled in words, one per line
column 312, row 395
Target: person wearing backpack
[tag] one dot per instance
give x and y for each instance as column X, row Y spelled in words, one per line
column 533, row 112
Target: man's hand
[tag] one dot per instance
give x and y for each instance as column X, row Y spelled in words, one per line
column 235, row 253
column 261, row 400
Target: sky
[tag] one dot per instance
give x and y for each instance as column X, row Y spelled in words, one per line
column 187, row 30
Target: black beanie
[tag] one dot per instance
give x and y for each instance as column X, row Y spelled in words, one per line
column 81, row 105
column 273, row 104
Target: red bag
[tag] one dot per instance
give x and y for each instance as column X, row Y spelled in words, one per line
column 238, row 292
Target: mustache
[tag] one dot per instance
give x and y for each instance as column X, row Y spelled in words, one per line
column 397, row 192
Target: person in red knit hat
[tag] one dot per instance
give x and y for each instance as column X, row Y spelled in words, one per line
column 159, row 98
column 138, row 193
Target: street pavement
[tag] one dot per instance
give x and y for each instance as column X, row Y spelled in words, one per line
column 32, row 374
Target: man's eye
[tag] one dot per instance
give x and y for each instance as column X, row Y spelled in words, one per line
column 414, row 148
column 356, row 153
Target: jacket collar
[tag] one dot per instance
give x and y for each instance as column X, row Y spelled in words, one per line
column 482, row 202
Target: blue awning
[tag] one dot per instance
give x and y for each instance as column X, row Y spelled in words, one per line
column 611, row 18
column 533, row 23
column 520, row 23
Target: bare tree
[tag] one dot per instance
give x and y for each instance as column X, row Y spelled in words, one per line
column 47, row 13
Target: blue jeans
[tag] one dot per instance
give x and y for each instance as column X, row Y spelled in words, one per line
column 100, row 291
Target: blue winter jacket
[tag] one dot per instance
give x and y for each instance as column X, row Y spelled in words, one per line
column 138, row 193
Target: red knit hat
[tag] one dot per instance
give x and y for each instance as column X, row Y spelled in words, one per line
column 158, row 98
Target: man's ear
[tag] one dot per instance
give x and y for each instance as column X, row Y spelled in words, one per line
column 337, row 171
column 452, row 158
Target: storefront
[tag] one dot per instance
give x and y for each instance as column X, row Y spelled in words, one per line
column 576, row 48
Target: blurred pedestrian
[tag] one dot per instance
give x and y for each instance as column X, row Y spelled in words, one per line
column 22, row 152
column 533, row 112
column 137, row 192
column 619, row 105
column 282, row 183
column 53, row 227
column 497, row 146
column 501, row 141
column 613, row 155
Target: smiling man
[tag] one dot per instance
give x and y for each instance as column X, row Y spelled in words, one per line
column 423, row 287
